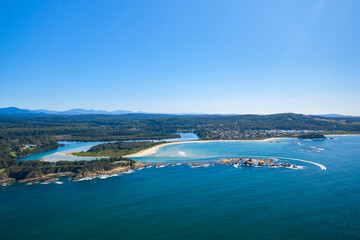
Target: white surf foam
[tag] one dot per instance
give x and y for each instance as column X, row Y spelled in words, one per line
column 104, row 176
column 302, row 160
column 86, row 179
column 322, row 167
column 182, row 154
column 129, row 171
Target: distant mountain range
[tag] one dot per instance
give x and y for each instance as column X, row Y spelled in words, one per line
column 75, row 111
column 79, row 111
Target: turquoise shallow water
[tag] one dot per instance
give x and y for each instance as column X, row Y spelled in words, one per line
column 218, row 202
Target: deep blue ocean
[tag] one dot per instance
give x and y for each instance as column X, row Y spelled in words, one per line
column 218, row 202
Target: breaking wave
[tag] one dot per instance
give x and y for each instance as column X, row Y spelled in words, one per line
column 322, row 167
column 182, row 154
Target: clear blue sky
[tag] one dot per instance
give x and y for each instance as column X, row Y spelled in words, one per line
column 182, row 56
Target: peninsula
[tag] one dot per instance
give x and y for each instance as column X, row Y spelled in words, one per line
column 34, row 170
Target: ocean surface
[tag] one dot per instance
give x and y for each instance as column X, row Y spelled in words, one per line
column 217, row 202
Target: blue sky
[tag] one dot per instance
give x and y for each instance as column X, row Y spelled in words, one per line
column 182, row 56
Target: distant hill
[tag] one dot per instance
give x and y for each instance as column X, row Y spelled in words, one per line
column 14, row 111
column 75, row 111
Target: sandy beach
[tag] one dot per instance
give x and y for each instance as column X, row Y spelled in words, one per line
column 154, row 149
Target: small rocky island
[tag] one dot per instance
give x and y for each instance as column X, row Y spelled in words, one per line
column 270, row 162
column 236, row 162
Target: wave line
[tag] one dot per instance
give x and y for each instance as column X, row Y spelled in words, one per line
column 322, row 167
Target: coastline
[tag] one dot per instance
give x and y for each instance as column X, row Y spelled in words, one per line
column 143, row 153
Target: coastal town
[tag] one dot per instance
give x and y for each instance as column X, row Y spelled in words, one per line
column 231, row 134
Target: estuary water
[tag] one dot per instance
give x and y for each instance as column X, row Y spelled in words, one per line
column 217, row 202
column 63, row 152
